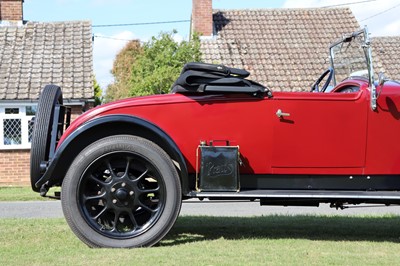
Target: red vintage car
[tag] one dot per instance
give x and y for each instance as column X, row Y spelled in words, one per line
column 125, row 167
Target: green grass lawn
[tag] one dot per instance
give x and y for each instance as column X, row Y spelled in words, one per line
column 21, row 194
column 269, row 240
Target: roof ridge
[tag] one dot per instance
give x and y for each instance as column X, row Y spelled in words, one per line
column 283, row 9
column 58, row 22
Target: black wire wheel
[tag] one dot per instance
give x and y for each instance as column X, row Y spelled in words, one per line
column 50, row 96
column 121, row 192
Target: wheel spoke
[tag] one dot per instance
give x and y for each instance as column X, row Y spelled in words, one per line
column 110, row 168
column 142, row 175
column 100, row 213
column 142, row 205
column 133, row 220
column 151, row 190
column 95, row 197
column 128, row 165
column 96, row 180
column 116, row 218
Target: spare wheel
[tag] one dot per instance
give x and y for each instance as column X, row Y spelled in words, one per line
column 50, row 97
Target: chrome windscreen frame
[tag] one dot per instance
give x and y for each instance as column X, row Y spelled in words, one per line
column 368, row 55
column 366, row 46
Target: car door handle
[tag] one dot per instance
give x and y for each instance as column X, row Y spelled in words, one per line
column 281, row 114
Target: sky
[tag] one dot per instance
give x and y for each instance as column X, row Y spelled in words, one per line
column 381, row 17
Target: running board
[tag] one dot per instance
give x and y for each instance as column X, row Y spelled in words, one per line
column 390, row 196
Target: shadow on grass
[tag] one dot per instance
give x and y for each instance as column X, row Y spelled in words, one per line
column 332, row 228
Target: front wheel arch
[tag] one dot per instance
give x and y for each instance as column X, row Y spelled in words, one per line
column 106, row 126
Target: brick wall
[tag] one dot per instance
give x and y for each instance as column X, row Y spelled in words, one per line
column 77, row 111
column 14, row 167
column 11, row 10
column 15, row 164
column 202, row 21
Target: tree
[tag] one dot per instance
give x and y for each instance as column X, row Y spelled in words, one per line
column 155, row 70
column 122, row 69
column 98, row 93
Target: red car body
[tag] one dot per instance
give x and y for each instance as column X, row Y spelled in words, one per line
column 326, row 133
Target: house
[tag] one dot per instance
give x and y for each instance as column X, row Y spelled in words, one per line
column 32, row 55
column 386, row 56
column 284, row 49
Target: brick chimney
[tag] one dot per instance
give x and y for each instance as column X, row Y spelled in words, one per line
column 202, row 18
column 11, row 11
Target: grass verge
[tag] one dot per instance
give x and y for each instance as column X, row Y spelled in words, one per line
column 272, row 240
column 22, row 194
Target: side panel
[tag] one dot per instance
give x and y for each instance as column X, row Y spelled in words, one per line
column 324, row 130
column 383, row 152
column 243, row 120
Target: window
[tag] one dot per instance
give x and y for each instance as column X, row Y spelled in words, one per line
column 16, row 126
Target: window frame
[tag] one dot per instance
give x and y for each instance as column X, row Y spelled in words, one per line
column 25, row 144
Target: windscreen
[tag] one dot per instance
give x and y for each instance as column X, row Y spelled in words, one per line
column 348, row 58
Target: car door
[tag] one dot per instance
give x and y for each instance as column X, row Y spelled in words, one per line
column 319, row 130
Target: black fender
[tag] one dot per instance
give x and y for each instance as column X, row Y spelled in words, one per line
column 104, row 126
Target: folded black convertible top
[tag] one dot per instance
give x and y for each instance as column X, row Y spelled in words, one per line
column 203, row 78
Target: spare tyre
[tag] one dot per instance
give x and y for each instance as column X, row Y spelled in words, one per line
column 50, row 97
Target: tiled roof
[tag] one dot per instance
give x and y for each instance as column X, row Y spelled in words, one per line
column 386, row 56
column 284, row 49
column 37, row 54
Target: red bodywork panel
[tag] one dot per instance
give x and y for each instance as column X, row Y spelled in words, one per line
column 326, row 133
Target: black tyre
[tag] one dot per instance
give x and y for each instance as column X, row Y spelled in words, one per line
column 40, row 149
column 121, row 192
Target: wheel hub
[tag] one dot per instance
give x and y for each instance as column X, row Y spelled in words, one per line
column 122, row 194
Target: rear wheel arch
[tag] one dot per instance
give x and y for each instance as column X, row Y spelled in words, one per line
column 115, row 125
